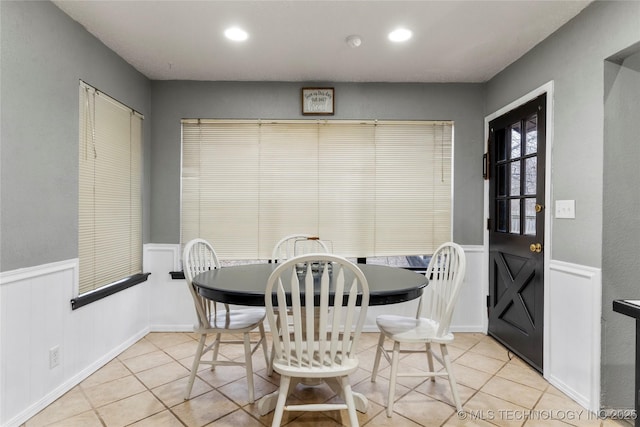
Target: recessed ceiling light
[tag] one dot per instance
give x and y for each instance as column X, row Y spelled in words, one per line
column 236, row 34
column 400, row 35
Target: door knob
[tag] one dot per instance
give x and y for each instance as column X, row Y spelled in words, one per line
column 535, row 247
column 539, row 207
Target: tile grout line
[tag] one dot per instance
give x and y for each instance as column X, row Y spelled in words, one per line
column 239, row 407
column 476, row 391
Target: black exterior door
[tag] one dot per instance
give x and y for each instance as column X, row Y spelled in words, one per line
column 516, row 229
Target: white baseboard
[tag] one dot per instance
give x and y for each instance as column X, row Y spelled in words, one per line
column 71, row 382
column 171, row 328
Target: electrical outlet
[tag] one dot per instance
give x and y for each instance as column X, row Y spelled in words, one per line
column 54, row 357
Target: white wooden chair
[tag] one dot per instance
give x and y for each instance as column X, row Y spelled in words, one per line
column 198, row 257
column 291, row 246
column 297, row 244
column 322, row 342
column 445, row 273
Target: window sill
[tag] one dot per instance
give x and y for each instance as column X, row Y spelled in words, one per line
column 107, row 290
column 176, row 275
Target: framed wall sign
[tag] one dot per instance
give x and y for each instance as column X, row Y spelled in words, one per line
column 317, row 101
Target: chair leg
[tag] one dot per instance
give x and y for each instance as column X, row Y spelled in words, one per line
column 248, row 365
column 376, row 363
column 263, row 337
column 194, row 366
column 270, row 364
column 282, row 399
column 216, row 347
column 273, row 348
column 348, row 399
column 394, row 375
column 452, row 379
column 430, row 360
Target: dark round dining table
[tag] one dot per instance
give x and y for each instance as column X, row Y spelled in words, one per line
column 245, row 284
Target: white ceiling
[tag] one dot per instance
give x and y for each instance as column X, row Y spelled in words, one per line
column 304, row 40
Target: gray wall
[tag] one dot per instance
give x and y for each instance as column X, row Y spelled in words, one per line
column 574, row 58
column 172, row 101
column 621, row 228
column 44, row 55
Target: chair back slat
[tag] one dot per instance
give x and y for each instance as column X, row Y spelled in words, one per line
column 446, row 273
column 337, row 315
column 325, row 329
column 309, row 314
column 351, row 311
column 323, row 311
column 296, row 309
column 283, row 351
column 198, row 257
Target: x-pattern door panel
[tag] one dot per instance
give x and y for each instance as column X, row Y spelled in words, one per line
column 513, row 288
column 516, row 230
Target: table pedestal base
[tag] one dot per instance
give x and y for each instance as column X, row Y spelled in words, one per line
column 268, row 402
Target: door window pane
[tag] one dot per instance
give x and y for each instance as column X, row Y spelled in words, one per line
column 515, row 138
column 530, row 218
column 501, row 213
column 531, row 174
column 514, row 187
column 501, row 180
column 514, row 224
column 531, row 132
column 501, row 146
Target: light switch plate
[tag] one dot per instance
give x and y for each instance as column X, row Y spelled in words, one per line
column 566, row 209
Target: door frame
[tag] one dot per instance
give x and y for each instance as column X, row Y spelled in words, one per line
column 548, row 89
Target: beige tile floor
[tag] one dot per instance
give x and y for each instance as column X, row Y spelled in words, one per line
column 144, row 386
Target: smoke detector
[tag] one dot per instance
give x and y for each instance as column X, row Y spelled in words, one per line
column 353, row 41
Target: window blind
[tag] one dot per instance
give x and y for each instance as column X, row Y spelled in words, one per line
column 110, row 169
column 220, row 186
column 288, row 182
column 413, row 187
column 368, row 188
column 347, row 187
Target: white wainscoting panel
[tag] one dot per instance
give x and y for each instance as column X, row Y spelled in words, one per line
column 36, row 315
column 171, row 305
column 572, row 326
column 470, row 314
